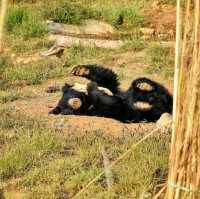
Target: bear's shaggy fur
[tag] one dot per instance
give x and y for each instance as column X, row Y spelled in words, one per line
column 145, row 100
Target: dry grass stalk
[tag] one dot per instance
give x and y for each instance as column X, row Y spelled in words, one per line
column 2, row 21
column 107, row 168
column 184, row 175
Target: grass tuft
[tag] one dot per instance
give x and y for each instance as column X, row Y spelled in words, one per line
column 6, row 96
column 28, row 151
column 161, row 60
column 67, row 12
column 78, row 54
column 34, row 73
column 118, row 15
column 32, row 143
column 14, row 75
column 135, row 44
column 23, row 23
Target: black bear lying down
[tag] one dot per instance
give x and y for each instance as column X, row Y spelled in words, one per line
column 145, row 100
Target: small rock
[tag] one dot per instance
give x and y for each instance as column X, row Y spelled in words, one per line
column 165, row 121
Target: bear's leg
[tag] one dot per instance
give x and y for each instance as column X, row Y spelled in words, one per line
column 153, row 93
column 104, row 77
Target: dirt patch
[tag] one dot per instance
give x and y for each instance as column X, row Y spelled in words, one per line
column 40, row 106
column 162, row 19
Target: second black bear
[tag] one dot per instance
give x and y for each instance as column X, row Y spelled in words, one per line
column 145, row 100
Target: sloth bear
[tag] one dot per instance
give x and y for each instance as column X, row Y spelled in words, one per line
column 144, row 101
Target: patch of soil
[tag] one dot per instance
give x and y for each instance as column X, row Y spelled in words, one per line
column 40, row 106
column 162, row 18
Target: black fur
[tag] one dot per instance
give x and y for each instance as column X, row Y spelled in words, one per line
column 110, row 106
column 63, row 107
column 102, row 76
column 160, row 99
column 120, row 106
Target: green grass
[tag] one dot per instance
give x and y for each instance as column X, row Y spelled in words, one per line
column 135, row 44
column 17, row 75
column 160, row 60
column 29, row 151
column 131, row 14
column 30, row 146
column 23, row 23
column 67, row 12
column 33, row 73
column 34, row 45
column 78, row 54
column 76, row 11
column 8, row 96
column 48, row 164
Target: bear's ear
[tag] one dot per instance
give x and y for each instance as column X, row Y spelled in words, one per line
column 142, row 106
column 75, row 103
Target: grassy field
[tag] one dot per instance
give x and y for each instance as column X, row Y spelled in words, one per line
column 41, row 162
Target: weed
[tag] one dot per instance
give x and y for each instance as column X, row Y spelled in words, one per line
column 20, row 75
column 28, row 151
column 16, row 16
column 161, row 60
column 78, row 54
column 33, row 44
column 34, row 73
column 13, row 119
column 67, row 12
column 76, row 12
column 6, row 96
column 11, row 95
column 124, row 15
column 4, row 62
column 136, row 173
column 135, row 44
column 33, row 142
column 21, row 22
